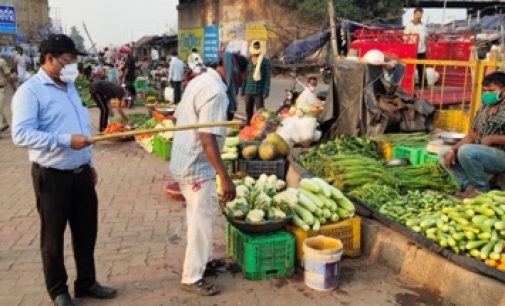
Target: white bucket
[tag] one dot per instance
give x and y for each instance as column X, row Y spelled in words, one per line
column 321, row 255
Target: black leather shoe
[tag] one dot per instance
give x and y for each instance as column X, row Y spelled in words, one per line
column 63, row 300
column 97, row 291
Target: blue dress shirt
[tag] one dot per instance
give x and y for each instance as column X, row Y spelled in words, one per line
column 45, row 115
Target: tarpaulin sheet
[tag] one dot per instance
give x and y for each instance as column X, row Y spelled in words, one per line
column 302, row 48
column 351, row 102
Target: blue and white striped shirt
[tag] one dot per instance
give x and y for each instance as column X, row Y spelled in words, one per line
column 45, row 116
column 203, row 101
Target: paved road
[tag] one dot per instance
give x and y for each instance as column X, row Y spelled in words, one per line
column 141, row 243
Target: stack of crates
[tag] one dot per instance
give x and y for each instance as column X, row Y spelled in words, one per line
column 412, row 154
column 261, row 256
column 427, row 157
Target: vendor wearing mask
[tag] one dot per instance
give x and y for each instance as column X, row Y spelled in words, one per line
column 256, row 88
column 482, row 151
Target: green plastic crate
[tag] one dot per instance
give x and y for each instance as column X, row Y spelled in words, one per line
column 412, row 154
column 162, row 148
column 262, row 256
column 428, row 157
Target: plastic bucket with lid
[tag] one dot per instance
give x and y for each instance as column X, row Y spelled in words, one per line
column 321, row 255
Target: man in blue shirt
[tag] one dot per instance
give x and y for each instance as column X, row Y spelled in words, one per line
column 49, row 120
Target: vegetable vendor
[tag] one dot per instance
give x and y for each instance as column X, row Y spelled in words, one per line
column 196, row 159
column 482, row 151
column 104, row 93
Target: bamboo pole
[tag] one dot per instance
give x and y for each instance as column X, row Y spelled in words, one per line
column 333, row 30
column 161, row 130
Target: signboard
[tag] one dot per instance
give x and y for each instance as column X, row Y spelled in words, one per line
column 211, row 44
column 7, row 19
column 256, row 31
column 189, row 39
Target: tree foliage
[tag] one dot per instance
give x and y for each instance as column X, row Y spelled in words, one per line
column 76, row 36
column 358, row 10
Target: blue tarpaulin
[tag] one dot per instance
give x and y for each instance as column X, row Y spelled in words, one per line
column 490, row 23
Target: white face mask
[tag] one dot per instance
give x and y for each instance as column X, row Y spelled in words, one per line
column 69, row 73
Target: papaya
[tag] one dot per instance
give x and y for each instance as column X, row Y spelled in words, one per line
column 250, row 152
column 267, row 151
column 279, row 143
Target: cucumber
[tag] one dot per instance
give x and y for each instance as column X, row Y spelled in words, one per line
column 484, row 252
column 309, row 185
column 498, row 247
column 471, row 245
column 299, row 222
column 475, row 253
column 500, row 225
column 484, row 236
column 319, row 203
column 346, row 204
column 479, row 219
column 494, row 256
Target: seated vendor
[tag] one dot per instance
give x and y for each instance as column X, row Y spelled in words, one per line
column 482, row 151
column 393, row 70
column 307, row 98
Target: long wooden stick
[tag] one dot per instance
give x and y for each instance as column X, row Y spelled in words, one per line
column 170, row 129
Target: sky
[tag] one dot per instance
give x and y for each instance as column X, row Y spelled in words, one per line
column 116, row 22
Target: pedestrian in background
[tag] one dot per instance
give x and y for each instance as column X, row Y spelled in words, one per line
column 176, row 76
column 5, row 77
column 129, row 77
column 416, row 26
column 22, row 62
column 257, row 85
column 50, row 120
column 106, row 93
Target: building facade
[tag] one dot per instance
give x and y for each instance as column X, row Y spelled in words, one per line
column 240, row 22
column 31, row 17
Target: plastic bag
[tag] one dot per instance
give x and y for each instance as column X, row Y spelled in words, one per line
column 169, row 94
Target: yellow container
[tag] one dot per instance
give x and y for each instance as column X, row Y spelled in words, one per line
column 452, row 120
column 386, row 150
column 348, row 231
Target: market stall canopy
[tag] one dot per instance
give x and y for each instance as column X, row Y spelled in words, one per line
column 144, row 40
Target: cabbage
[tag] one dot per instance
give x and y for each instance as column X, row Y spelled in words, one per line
column 255, row 216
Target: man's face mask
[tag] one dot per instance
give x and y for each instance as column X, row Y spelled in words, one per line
column 69, row 73
column 491, row 98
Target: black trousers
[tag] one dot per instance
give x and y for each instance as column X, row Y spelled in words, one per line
column 66, row 197
column 420, row 68
column 177, row 86
column 104, row 111
column 250, row 102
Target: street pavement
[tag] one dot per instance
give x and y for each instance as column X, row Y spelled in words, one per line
column 141, row 241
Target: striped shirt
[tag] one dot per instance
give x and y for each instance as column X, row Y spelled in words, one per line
column 203, row 101
column 486, row 124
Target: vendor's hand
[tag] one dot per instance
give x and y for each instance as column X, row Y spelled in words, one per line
column 487, row 141
column 228, row 188
column 78, row 142
column 95, row 176
column 450, row 158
